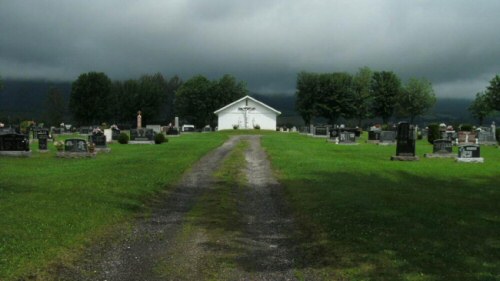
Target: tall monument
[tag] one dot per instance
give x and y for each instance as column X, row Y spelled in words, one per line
column 139, row 120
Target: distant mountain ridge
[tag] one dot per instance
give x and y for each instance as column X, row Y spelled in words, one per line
column 24, row 100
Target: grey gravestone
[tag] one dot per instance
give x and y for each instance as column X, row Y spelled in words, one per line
column 43, row 137
column 321, row 131
column 406, row 141
column 470, row 154
column 75, row 146
column 85, row 130
column 387, row 137
column 442, row 148
column 207, row 129
column 346, row 137
column 155, row 128
column 142, row 135
column 486, row 137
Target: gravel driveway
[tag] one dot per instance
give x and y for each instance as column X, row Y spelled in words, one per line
column 264, row 256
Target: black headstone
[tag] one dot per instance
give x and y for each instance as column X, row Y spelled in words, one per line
column 172, row 131
column 42, row 136
column 442, row 146
column 99, row 139
column 405, row 140
column 469, row 151
column 75, row 145
column 115, row 133
column 373, row 135
column 14, row 142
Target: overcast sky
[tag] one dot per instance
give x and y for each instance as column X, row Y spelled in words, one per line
column 453, row 43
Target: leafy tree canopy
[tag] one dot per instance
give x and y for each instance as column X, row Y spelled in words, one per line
column 89, row 98
column 416, row 98
column 386, row 87
column 480, row 107
column 198, row 98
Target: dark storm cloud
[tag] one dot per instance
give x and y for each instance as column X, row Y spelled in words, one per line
column 266, row 43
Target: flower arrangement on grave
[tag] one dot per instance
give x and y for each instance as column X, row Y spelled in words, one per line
column 96, row 130
column 59, row 145
column 114, row 127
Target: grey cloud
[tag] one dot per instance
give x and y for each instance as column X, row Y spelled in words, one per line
column 266, row 43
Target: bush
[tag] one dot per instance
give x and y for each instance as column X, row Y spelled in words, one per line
column 434, row 133
column 160, row 138
column 466, row 127
column 497, row 133
column 123, row 138
column 256, row 127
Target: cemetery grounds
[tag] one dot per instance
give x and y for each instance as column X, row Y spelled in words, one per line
column 356, row 214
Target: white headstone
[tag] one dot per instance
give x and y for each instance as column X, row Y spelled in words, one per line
column 109, row 135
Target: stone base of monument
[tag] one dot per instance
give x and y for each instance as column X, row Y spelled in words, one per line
column 440, row 155
column 141, row 142
column 16, row 153
column 404, row 158
column 373, row 141
column 471, row 160
column 76, row 154
column 102, row 150
column 43, row 150
column 386, row 143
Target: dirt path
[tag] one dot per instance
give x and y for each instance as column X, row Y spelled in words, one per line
column 268, row 226
column 263, row 254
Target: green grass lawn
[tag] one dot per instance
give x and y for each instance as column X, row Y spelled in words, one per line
column 51, row 207
column 364, row 217
column 361, row 216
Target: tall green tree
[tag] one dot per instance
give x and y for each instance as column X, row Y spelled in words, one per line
column 335, row 96
column 152, row 89
column 493, row 92
column 168, row 108
column 198, row 98
column 480, row 107
column 362, row 94
column 416, row 98
column 386, row 87
column 192, row 101
column 90, row 95
column 306, row 95
column 55, row 107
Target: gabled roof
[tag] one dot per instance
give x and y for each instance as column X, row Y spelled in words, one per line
column 250, row 98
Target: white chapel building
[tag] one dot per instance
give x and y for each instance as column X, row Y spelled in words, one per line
column 247, row 113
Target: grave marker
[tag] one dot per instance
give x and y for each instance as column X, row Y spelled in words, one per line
column 470, row 154
column 406, row 141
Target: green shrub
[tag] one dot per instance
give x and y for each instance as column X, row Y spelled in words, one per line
column 256, row 127
column 434, row 133
column 497, row 134
column 466, row 127
column 160, row 138
column 123, row 138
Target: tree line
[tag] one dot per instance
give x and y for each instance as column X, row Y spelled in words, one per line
column 486, row 102
column 366, row 94
column 95, row 99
